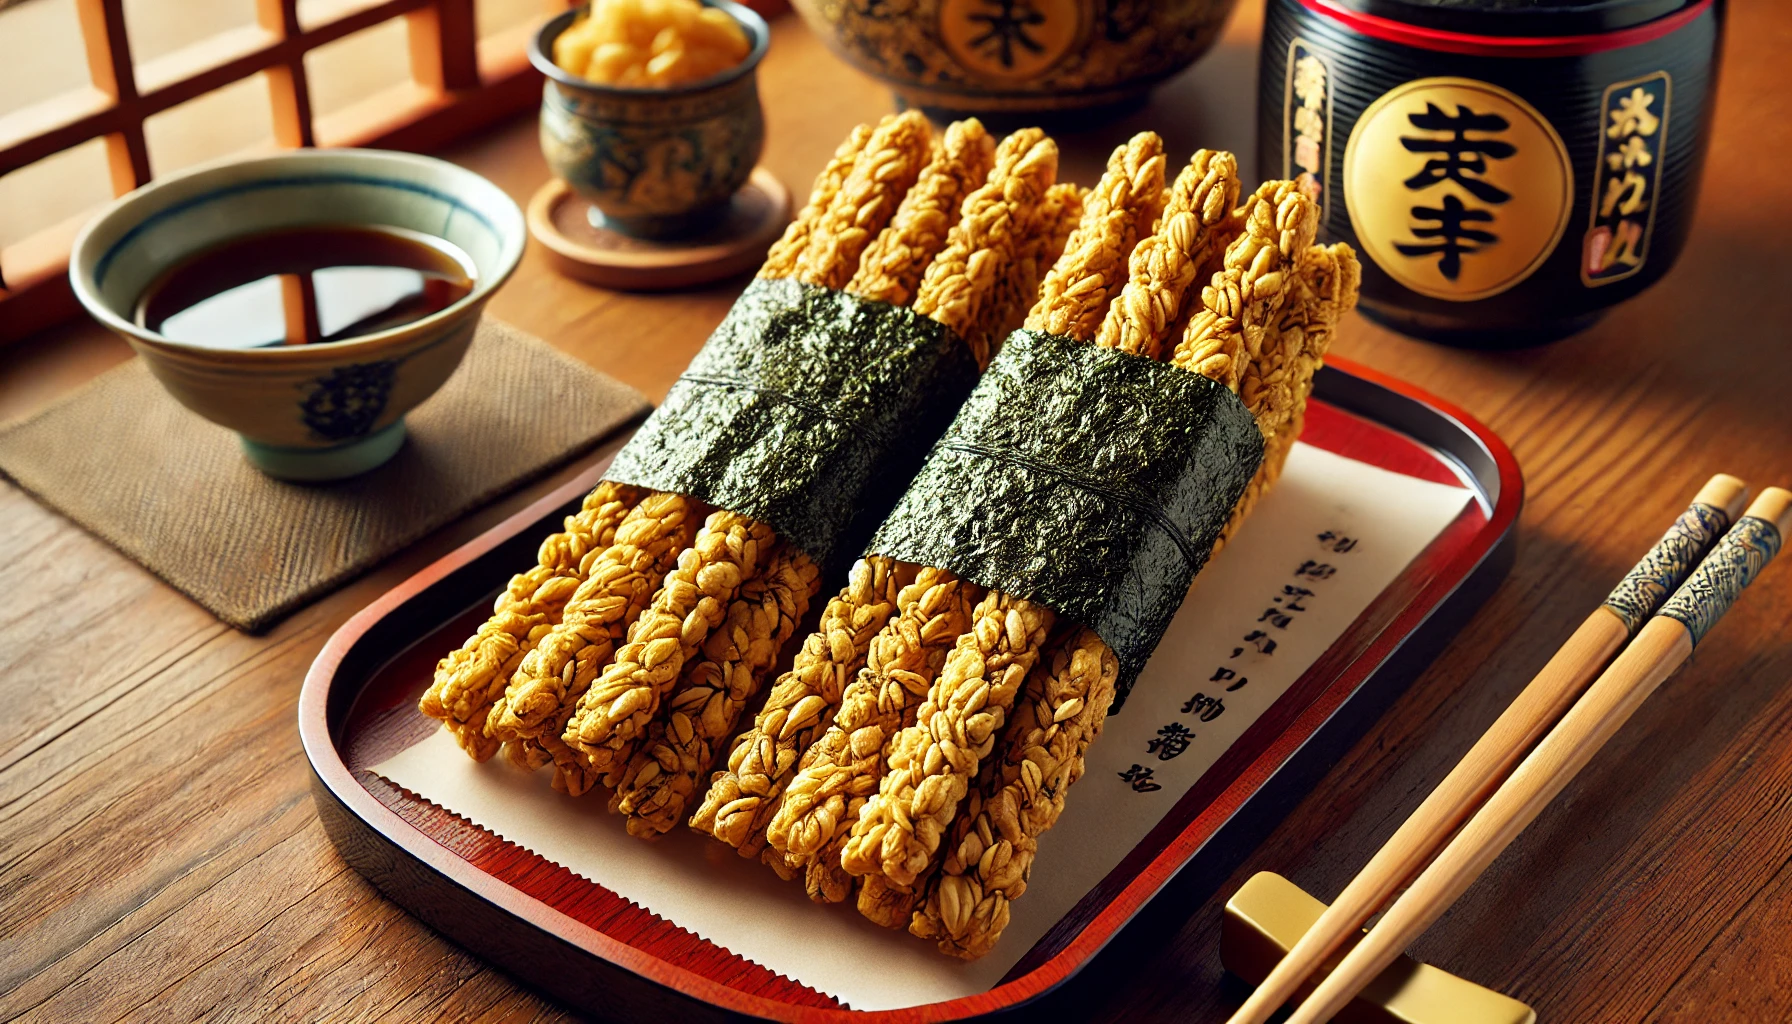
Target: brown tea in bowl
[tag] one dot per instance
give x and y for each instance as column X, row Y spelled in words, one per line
column 305, row 285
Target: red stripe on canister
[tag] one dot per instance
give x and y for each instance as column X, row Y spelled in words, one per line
column 1422, row 38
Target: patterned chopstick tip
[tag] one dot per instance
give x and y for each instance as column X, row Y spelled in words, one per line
column 1732, row 564
column 1660, row 572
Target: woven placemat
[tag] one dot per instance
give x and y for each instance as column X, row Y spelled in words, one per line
column 173, row 491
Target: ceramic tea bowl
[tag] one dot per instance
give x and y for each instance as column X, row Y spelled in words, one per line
column 656, row 163
column 303, row 412
column 994, row 57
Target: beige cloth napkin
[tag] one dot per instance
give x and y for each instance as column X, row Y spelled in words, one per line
column 173, row 491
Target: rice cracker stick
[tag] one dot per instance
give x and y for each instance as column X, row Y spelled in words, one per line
column 846, row 762
column 1046, row 239
column 985, row 237
column 881, row 176
column 890, row 269
column 702, row 709
column 613, row 714
column 1324, row 288
column 801, row 705
column 993, row 845
column 471, row 679
column 1243, row 299
column 621, row 578
column 1234, row 337
column 546, row 686
column 1163, row 266
column 932, row 763
column 993, row 842
column 1117, row 212
column 963, row 286
column 787, row 251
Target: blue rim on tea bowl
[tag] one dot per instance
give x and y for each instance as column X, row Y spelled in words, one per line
column 655, row 162
column 303, row 412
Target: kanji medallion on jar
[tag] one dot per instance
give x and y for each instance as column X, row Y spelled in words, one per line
column 1458, row 189
column 1009, row 39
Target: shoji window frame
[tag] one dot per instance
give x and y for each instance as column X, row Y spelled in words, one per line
column 458, row 84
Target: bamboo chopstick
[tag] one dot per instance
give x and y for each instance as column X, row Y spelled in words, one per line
column 1660, row 648
column 1542, row 701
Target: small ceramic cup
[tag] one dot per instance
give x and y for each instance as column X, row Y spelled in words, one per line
column 657, row 163
column 303, row 412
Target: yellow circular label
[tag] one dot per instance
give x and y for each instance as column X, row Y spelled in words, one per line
column 1458, row 189
column 1009, row 39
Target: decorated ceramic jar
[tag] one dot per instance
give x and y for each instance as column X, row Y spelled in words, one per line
column 1506, row 169
column 655, row 162
column 1018, row 56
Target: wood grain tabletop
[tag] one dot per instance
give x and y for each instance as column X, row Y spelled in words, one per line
column 161, row 858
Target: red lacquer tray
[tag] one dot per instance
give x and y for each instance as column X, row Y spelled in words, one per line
column 593, row 951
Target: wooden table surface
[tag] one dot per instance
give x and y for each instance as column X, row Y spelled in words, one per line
column 160, row 857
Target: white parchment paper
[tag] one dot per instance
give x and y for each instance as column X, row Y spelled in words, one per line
column 1330, row 537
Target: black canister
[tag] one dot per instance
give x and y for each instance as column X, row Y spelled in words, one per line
column 1506, row 169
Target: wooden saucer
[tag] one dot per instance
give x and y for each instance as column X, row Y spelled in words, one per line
column 583, row 248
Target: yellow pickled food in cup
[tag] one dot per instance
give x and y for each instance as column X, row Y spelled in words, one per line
column 647, row 44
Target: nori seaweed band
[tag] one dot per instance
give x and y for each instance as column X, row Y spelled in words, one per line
column 808, row 410
column 1084, row 478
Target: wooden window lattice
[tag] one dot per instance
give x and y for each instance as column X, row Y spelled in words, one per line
column 461, row 84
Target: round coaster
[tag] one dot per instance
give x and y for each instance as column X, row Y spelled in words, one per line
column 583, row 247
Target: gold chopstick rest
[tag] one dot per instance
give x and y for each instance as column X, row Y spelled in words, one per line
column 1269, row 914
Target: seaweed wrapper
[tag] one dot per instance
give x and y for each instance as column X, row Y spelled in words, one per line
column 1084, row 478
column 808, row 409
